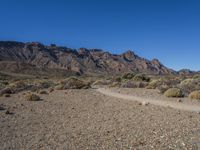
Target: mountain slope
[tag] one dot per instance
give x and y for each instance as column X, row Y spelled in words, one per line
column 81, row 61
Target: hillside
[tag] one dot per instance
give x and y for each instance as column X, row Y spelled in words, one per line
column 35, row 57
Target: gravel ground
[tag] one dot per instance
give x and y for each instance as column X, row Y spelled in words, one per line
column 86, row 119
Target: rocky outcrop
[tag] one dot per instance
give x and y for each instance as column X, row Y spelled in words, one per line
column 81, row 61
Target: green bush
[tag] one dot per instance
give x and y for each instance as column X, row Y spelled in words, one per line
column 173, row 92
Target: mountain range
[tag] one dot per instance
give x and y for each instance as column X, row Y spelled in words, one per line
column 34, row 58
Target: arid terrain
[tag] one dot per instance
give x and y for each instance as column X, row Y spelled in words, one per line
column 87, row 119
column 54, row 97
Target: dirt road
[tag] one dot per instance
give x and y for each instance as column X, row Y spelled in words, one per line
column 172, row 104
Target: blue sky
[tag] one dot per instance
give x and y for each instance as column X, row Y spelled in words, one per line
column 165, row 29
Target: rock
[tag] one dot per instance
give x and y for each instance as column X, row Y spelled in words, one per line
column 6, row 91
column 2, row 108
column 7, row 95
column 8, row 112
column 145, row 103
column 179, row 100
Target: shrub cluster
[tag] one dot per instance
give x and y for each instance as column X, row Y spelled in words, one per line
column 195, row 95
column 72, row 83
column 173, row 92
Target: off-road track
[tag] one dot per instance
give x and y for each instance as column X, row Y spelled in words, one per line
column 172, row 104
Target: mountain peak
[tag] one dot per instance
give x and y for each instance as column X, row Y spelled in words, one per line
column 83, row 60
column 129, row 55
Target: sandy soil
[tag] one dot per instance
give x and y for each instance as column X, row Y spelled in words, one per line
column 148, row 96
column 86, row 119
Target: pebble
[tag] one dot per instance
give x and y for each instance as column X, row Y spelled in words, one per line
column 8, row 112
column 145, row 103
column 179, row 100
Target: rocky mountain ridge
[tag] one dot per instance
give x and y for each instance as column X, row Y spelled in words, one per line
column 16, row 55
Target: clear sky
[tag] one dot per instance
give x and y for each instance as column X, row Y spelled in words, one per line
column 165, row 29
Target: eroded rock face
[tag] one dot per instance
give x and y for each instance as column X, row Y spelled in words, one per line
column 82, row 61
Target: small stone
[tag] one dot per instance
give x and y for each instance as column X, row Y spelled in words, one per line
column 8, row 112
column 183, row 144
column 145, row 103
column 179, row 100
column 7, row 95
column 1, row 108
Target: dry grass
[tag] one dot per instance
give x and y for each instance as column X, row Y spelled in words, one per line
column 195, row 95
column 32, row 97
column 73, row 83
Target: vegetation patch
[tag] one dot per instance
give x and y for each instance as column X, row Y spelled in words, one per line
column 134, row 84
column 195, row 95
column 128, row 76
column 6, row 91
column 141, row 77
column 32, row 97
column 189, row 85
column 73, row 83
column 43, row 92
column 173, row 92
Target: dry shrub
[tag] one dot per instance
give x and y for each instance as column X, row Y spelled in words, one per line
column 195, row 95
column 173, row 92
column 43, row 92
column 6, row 91
column 73, row 83
column 19, row 86
column 59, row 87
column 153, row 84
column 197, row 76
column 163, row 88
column 164, row 84
column 44, row 84
column 189, row 85
column 128, row 76
column 115, row 84
column 51, row 90
column 32, row 97
column 102, row 82
column 133, row 84
column 3, row 84
column 117, row 79
column 141, row 77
